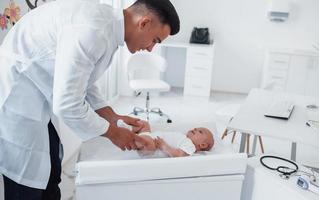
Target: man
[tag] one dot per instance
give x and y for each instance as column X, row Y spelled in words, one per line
column 49, row 62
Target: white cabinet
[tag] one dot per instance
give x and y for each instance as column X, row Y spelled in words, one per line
column 292, row 71
column 312, row 83
column 189, row 66
column 297, row 74
column 198, row 72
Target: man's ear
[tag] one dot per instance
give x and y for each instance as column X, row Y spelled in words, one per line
column 144, row 22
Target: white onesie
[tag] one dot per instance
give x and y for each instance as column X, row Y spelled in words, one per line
column 174, row 139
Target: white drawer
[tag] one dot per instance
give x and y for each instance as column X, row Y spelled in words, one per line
column 277, row 81
column 279, row 61
column 197, row 86
column 279, row 88
column 277, row 74
column 200, row 52
column 197, row 66
column 198, row 71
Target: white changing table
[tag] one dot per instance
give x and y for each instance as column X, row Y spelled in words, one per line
column 110, row 173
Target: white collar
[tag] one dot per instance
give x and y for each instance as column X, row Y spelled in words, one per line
column 119, row 27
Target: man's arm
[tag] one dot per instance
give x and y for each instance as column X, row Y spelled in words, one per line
column 75, row 62
column 76, row 56
column 168, row 150
column 95, row 96
column 108, row 114
column 121, row 137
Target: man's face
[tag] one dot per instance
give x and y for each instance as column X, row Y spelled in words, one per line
column 149, row 31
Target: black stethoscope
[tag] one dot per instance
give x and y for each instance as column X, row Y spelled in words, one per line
column 285, row 172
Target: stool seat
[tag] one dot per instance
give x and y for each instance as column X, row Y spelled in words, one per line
column 149, row 85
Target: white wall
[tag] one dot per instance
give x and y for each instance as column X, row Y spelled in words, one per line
column 24, row 9
column 242, row 33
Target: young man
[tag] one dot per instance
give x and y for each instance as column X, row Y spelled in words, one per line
column 49, row 63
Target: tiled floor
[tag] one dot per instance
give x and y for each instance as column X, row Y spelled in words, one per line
column 191, row 109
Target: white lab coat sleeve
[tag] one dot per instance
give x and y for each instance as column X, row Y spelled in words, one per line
column 78, row 49
column 95, row 97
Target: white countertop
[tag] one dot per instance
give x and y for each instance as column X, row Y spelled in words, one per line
column 268, row 184
column 250, row 118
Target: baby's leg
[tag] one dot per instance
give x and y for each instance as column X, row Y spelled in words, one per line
column 147, row 149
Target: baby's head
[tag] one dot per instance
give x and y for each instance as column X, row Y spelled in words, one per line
column 202, row 138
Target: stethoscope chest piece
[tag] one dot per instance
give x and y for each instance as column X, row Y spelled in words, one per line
column 284, row 176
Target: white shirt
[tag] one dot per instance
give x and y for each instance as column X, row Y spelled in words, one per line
column 49, row 63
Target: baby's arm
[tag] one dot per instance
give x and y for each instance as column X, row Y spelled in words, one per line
column 168, row 150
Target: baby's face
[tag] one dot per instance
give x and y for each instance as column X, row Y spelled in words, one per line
column 201, row 137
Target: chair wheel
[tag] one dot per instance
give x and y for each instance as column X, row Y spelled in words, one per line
column 169, row 121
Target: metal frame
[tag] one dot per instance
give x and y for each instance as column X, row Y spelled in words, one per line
column 147, row 110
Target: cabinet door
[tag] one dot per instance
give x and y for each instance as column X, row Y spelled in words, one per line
column 312, row 83
column 199, row 68
column 297, row 74
column 279, row 61
column 197, row 86
column 275, row 71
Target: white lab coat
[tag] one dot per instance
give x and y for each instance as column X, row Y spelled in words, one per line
column 49, row 63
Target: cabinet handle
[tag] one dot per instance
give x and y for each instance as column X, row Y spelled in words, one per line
column 202, row 54
column 280, row 61
column 277, row 77
column 196, row 86
column 200, row 68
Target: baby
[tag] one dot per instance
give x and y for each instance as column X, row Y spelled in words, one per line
column 174, row 144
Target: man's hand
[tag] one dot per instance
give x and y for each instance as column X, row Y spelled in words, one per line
column 144, row 127
column 123, row 138
column 109, row 114
column 137, row 124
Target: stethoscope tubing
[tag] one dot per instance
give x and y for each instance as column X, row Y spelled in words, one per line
column 280, row 169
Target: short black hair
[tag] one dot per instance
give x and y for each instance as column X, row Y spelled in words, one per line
column 164, row 10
